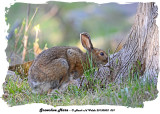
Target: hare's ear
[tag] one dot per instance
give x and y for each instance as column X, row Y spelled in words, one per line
column 86, row 41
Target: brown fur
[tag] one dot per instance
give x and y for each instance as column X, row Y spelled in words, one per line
column 56, row 65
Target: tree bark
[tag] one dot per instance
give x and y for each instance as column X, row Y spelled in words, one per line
column 140, row 53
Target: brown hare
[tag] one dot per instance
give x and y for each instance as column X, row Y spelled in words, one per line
column 57, row 66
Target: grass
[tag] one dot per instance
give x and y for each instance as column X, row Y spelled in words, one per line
column 132, row 93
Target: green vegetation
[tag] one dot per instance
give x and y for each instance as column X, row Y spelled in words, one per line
column 131, row 93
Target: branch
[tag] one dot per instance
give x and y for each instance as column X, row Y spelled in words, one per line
column 26, row 31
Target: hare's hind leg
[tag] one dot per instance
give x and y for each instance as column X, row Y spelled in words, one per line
column 64, row 86
column 61, row 73
column 63, row 83
column 51, row 76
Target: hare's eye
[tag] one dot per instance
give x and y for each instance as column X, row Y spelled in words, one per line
column 101, row 53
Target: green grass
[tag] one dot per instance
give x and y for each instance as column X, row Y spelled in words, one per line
column 132, row 93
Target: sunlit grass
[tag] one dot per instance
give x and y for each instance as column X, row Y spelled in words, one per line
column 131, row 93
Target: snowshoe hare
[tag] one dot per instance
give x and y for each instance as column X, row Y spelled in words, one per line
column 55, row 67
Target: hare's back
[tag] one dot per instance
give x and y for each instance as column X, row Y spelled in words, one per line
column 50, row 63
column 53, row 53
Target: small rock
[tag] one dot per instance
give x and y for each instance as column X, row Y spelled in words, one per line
column 5, row 95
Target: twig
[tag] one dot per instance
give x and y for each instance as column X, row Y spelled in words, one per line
column 81, row 82
column 26, row 30
column 25, row 34
column 18, row 35
column 32, row 18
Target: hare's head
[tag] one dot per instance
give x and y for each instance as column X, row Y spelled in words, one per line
column 99, row 56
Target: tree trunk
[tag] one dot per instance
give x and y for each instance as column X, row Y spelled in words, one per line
column 140, row 53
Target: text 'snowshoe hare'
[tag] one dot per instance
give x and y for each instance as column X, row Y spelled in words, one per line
column 55, row 67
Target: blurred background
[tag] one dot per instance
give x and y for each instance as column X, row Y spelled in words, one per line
column 60, row 23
